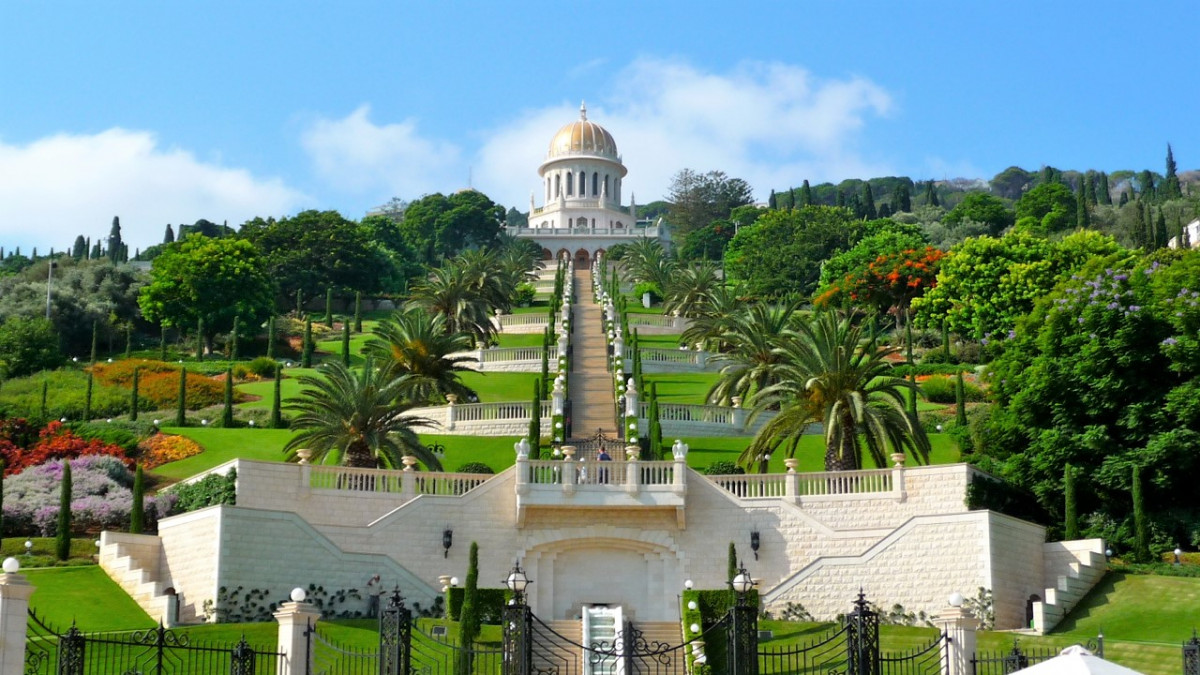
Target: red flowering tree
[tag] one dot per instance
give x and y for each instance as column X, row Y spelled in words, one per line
column 886, row 284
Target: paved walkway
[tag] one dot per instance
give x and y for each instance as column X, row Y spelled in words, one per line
column 592, row 399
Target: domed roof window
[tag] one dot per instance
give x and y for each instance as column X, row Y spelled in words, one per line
column 582, row 137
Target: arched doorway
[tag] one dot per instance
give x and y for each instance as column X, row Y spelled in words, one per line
column 546, row 254
column 563, row 254
column 1029, row 609
column 582, row 257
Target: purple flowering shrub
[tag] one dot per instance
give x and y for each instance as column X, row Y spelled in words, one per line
column 101, row 497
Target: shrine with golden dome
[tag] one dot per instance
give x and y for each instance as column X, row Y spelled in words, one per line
column 582, row 212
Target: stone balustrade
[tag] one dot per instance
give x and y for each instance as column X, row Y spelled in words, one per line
column 502, row 418
column 819, row 486
column 521, row 323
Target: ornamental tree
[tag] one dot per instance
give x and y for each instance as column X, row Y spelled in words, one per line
column 886, row 283
column 211, row 281
column 782, row 253
column 1105, row 375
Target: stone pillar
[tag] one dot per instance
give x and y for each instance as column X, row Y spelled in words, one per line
column 959, row 627
column 633, row 472
column 558, row 397
column 294, row 620
column 451, row 399
column 791, row 485
column 679, row 451
column 739, row 413
column 408, row 479
column 631, row 399
column 522, row 449
column 568, row 469
column 898, row 477
column 14, row 614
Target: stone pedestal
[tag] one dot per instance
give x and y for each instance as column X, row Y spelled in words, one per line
column 960, row 627
column 294, row 620
column 14, row 613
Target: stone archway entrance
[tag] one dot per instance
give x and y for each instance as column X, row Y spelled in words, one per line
column 582, row 257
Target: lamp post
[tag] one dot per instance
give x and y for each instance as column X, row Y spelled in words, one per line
column 518, row 645
column 743, row 657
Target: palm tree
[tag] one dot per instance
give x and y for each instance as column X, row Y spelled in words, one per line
column 647, row 260
column 353, row 418
column 714, row 318
column 756, row 360
column 834, row 375
column 687, row 291
column 488, row 277
column 452, row 292
column 415, row 344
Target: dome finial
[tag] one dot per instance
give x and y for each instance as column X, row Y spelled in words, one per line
column 582, row 110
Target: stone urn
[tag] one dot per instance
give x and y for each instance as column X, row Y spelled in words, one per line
column 898, row 459
column 304, row 454
column 791, row 463
column 409, row 462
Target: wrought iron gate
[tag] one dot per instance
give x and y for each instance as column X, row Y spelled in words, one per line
column 852, row 649
column 1191, row 655
column 932, row 659
column 156, row 651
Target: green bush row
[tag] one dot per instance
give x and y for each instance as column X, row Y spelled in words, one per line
column 491, row 603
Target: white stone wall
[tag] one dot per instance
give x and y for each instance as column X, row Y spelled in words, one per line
column 912, row 550
column 191, row 556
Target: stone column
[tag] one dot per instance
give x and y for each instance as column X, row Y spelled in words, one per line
column 631, row 400
column 522, row 449
column 679, row 451
column 898, row 477
column 294, row 620
column 568, row 469
column 633, row 472
column 959, row 627
column 791, row 485
column 408, row 479
column 558, row 397
column 14, row 614
column 451, row 399
column 739, row 413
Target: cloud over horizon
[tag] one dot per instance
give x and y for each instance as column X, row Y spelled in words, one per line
column 64, row 185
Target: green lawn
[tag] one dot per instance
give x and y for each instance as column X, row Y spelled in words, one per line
column 494, row 387
column 84, row 596
column 222, row 445
column 519, row 339
column 811, row 453
column 665, row 341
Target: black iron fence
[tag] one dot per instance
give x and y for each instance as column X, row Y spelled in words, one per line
column 1016, row 658
column 1191, row 655
column 156, row 651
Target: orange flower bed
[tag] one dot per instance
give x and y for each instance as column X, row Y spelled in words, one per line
column 120, row 373
column 162, row 390
column 161, row 449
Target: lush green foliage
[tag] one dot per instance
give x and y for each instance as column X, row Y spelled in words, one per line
column 27, row 346
column 1104, row 376
column 980, row 207
column 211, row 490
column 782, row 253
column 438, row 226
column 417, row 344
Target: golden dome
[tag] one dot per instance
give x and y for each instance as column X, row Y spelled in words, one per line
column 582, row 137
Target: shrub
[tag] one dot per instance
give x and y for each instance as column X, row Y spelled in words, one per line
column 108, row 434
column 101, row 497
column 55, row 441
column 164, row 448
column 523, row 295
column 490, row 603
column 940, row 389
column 162, row 390
column 723, row 468
column 208, row 491
column 937, row 356
column 475, row 467
column 263, row 367
column 120, row 373
column 648, row 287
column 28, row 345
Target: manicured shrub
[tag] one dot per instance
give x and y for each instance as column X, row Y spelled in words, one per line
column 476, row 467
column 62, row 528
column 523, row 295
column 137, row 509
column 940, row 389
column 723, row 468
column 211, row 490
column 262, row 367
column 162, row 449
column 108, row 434
column 162, row 390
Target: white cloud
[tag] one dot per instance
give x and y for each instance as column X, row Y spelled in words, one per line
column 772, row 124
column 57, row 187
column 357, row 156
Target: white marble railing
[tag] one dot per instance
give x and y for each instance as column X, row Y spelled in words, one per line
column 413, row 483
column 630, row 232
column 684, row 356
column 504, row 418
column 498, row 354
column 656, row 321
column 687, row 412
column 549, row 472
column 815, row 486
column 509, row 320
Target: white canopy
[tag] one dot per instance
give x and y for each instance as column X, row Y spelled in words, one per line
column 1076, row 660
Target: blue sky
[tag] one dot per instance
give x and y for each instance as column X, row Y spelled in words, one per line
column 169, row 112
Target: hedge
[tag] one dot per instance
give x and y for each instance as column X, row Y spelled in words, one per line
column 491, row 603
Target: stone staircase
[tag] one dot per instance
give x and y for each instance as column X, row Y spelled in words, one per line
column 592, row 398
column 132, row 560
column 1074, row 568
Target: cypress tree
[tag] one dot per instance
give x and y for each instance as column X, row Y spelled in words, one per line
column 1, row 500
column 329, row 307
column 307, row 353
column 772, row 200
column 469, row 616
column 233, row 339
column 128, row 340
column 357, row 311
column 79, row 248
column 535, row 422
column 162, row 342
column 868, row 202
column 95, row 340
column 133, row 396
column 45, row 395
column 346, row 343
column 960, row 401
column 181, row 409
column 137, row 512
column 1082, row 221
column 1170, row 185
column 806, row 198
column 87, row 399
column 1141, row 547
column 200, row 339
column 227, row 412
column 276, row 401
column 946, row 339
column 1070, row 517
column 299, row 304
column 731, row 563
column 114, row 242
column 62, row 533
column 545, row 391
column 656, row 446
column 271, row 337
column 1160, row 230
column 169, row 236
column 839, row 199
column 1102, row 194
